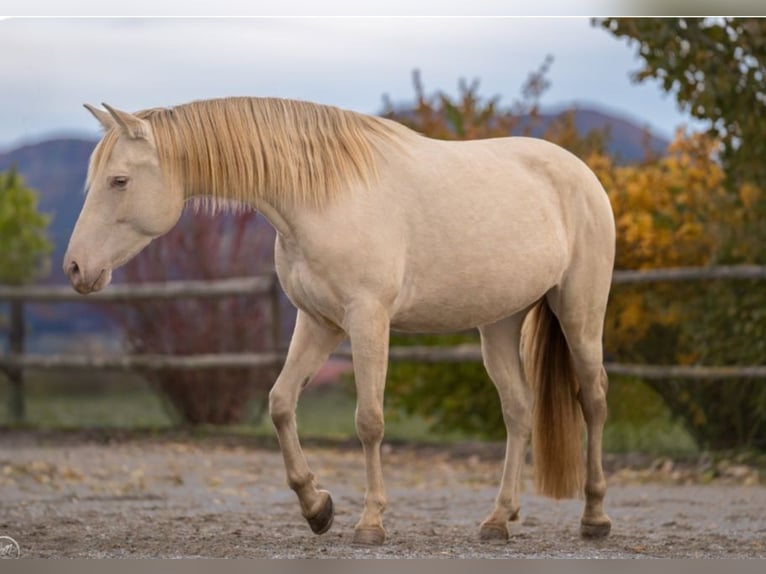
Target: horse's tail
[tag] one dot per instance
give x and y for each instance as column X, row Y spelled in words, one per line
column 558, row 420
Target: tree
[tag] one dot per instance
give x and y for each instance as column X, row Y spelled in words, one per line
column 24, row 257
column 24, row 245
column 677, row 211
column 204, row 247
column 716, row 68
column 470, row 116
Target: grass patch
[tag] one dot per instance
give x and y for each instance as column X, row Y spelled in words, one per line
column 87, row 400
column 123, row 401
column 638, row 420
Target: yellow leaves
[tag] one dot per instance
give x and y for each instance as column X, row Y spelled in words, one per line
column 632, row 314
column 671, row 211
column 749, row 195
column 667, row 210
column 688, row 358
column 603, row 167
column 630, row 317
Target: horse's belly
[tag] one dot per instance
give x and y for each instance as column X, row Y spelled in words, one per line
column 437, row 306
column 429, row 319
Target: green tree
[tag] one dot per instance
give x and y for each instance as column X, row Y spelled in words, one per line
column 24, row 257
column 716, row 69
column 24, row 244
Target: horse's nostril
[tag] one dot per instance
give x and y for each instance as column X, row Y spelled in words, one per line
column 74, row 270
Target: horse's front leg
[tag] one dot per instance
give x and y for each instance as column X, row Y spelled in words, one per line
column 310, row 346
column 368, row 328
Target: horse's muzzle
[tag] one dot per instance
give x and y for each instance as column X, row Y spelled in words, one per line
column 82, row 281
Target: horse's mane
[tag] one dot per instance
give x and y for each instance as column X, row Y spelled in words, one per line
column 243, row 149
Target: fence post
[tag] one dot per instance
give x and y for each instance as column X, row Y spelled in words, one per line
column 16, row 374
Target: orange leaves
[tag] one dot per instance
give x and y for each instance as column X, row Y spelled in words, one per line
column 750, row 195
column 667, row 210
column 671, row 211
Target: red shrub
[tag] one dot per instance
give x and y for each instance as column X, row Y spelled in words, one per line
column 204, row 247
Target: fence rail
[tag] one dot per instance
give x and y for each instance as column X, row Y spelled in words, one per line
column 16, row 361
column 465, row 353
column 689, row 274
column 128, row 293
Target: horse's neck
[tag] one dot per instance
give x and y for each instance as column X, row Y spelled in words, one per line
column 279, row 218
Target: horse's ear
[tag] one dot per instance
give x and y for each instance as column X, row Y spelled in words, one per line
column 133, row 126
column 104, row 118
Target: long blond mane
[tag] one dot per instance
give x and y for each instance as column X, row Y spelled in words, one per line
column 245, row 149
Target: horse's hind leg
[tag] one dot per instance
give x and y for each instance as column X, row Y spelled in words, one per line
column 595, row 523
column 502, row 359
column 310, row 346
column 580, row 305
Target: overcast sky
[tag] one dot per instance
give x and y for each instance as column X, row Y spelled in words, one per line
column 49, row 68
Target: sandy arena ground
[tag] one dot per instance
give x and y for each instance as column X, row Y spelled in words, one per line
column 95, row 497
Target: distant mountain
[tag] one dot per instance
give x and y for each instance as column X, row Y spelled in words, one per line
column 57, row 169
column 626, row 141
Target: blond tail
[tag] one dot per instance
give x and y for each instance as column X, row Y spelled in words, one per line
column 558, row 420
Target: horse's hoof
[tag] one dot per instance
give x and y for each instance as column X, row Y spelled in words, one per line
column 493, row 532
column 322, row 520
column 369, row 535
column 595, row 530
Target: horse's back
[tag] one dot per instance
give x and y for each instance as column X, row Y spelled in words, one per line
column 491, row 227
column 454, row 235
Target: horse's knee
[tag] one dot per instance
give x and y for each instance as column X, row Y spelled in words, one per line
column 281, row 408
column 370, row 424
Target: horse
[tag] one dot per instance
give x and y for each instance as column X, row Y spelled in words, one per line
column 380, row 228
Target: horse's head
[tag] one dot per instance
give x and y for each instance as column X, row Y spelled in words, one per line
column 126, row 204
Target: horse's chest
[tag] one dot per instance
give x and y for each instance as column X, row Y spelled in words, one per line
column 308, row 290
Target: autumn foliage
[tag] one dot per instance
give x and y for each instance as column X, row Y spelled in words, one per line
column 678, row 211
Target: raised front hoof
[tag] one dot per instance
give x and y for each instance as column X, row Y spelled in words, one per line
column 493, row 532
column 595, row 530
column 322, row 520
column 369, row 535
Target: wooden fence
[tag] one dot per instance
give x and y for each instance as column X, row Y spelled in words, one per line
column 17, row 360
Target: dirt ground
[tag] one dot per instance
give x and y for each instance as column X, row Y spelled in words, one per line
column 166, row 497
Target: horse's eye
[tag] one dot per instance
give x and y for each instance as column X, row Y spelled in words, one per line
column 119, row 182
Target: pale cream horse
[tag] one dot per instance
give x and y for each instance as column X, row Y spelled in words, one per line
column 380, row 228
